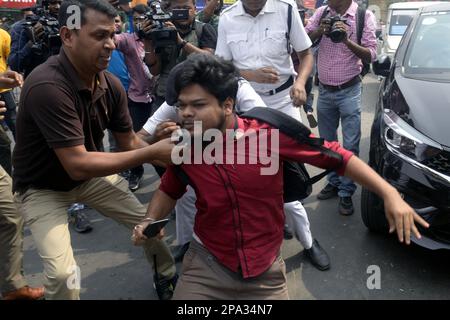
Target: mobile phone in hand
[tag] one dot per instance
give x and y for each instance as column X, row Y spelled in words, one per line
column 154, row 228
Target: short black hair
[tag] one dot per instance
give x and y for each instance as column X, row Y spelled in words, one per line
column 140, row 8
column 214, row 74
column 102, row 6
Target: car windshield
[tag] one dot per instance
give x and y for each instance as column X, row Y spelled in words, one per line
column 428, row 54
column 400, row 20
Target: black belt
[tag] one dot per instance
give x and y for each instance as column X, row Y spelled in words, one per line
column 284, row 86
column 345, row 85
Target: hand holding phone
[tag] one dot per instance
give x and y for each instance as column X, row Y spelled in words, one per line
column 154, row 228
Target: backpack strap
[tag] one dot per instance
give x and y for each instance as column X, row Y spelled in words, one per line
column 360, row 21
column 182, row 175
column 289, row 25
column 292, row 128
column 199, row 29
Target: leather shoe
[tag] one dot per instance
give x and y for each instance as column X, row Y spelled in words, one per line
column 318, row 256
column 25, row 293
column 328, row 192
column 134, row 182
column 346, row 206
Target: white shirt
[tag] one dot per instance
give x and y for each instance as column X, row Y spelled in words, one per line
column 246, row 99
column 256, row 42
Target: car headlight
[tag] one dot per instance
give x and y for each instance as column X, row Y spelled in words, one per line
column 399, row 135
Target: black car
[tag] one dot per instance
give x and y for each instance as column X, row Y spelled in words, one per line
column 410, row 137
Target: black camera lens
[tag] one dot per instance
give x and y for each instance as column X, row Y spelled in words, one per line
column 337, row 35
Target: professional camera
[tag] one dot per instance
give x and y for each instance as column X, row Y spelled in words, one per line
column 51, row 40
column 336, row 35
column 162, row 36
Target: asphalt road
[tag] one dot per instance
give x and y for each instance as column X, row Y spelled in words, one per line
column 111, row 268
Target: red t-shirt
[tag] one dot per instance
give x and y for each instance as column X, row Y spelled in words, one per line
column 240, row 214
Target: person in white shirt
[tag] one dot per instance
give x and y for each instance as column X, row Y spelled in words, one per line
column 257, row 36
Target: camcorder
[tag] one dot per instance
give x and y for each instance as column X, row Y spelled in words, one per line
column 336, row 35
column 50, row 41
column 162, row 36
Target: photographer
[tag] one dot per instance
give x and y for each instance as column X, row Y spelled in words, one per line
column 192, row 37
column 24, row 55
column 340, row 62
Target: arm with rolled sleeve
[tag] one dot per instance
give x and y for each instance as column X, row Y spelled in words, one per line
column 367, row 50
column 369, row 39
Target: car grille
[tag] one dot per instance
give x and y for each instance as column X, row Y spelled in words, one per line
column 440, row 163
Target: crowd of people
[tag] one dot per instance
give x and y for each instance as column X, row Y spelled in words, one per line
column 140, row 77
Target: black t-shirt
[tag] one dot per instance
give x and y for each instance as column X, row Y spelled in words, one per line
column 208, row 38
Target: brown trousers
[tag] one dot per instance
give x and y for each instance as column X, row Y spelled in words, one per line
column 204, row 278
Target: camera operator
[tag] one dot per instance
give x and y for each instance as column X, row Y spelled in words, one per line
column 23, row 57
column 192, row 37
column 339, row 66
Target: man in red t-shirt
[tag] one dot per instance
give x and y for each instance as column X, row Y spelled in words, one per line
column 238, row 228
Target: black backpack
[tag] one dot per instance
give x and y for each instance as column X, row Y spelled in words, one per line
column 360, row 21
column 297, row 183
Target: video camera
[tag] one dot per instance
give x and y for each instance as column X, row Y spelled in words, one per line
column 162, row 36
column 336, row 35
column 51, row 40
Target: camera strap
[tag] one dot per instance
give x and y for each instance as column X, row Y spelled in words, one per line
column 324, row 13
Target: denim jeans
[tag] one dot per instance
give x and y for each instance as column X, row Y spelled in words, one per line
column 343, row 105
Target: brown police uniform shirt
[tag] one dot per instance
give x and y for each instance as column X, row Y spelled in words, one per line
column 58, row 110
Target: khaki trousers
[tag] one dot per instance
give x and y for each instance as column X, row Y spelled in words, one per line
column 11, row 237
column 204, row 278
column 45, row 213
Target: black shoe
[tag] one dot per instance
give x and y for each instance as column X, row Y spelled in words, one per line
column 80, row 221
column 312, row 121
column 125, row 174
column 328, row 192
column 318, row 257
column 346, row 206
column 134, row 182
column 288, row 234
column 165, row 287
column 179, row 253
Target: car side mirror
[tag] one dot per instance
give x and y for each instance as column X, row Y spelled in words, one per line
column 382, row 66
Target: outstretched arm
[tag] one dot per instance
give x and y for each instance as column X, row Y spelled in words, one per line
column 400, row 215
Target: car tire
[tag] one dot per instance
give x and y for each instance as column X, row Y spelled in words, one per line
column 372, row 212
